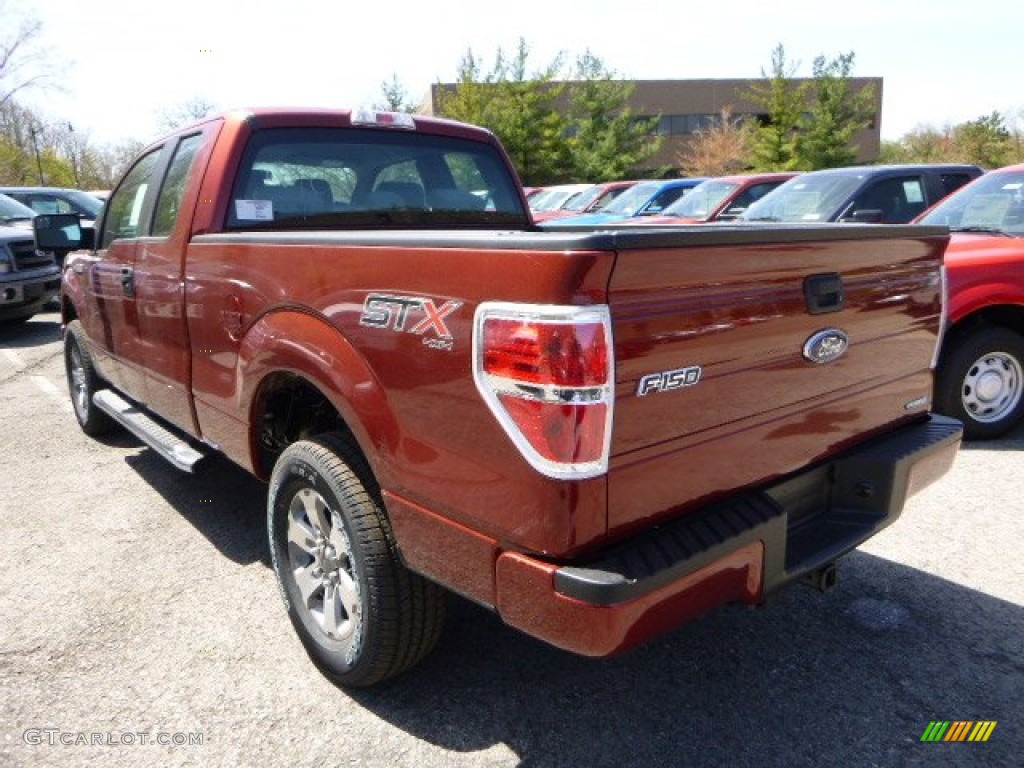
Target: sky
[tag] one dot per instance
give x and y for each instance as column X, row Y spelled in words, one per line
column 942, row 62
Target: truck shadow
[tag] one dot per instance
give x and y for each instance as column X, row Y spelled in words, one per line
column 849, row 678
column 852, row 677
column 222, row 501
column 1011, row 441
column 40, row 330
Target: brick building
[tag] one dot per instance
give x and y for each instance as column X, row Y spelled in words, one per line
column 687, row 106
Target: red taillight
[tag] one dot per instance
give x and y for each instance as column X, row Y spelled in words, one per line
column 546, row 373
column 561, row 354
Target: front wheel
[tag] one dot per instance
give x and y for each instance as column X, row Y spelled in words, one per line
column 361, row 615
column 980, row 380
column 83, row 382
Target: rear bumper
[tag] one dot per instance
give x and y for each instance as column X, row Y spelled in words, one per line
column 733, row 552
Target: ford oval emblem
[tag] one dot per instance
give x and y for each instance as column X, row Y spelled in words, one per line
column 826, row 346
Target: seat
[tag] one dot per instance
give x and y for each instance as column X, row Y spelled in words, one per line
column 255, row 188
column 316, row 194
column 409, row 192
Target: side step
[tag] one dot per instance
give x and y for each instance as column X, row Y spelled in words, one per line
column 139, row 423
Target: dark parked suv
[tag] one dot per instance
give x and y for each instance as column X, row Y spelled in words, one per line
column 887, row 194
column 57, row 200
column 28, row 278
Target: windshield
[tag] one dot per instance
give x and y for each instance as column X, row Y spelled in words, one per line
column 582, row 200
column 993, row 203
column 85, row 203
column 633, row 199
column 555, row 197
column 702, row 200
column 805, row 198
column 11, row 210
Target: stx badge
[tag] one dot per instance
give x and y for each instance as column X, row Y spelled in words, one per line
column 668, row 380
column 410, row 314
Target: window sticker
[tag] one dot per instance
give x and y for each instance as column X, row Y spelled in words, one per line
column 986, row 211
column 254, row 210
column 913, row 191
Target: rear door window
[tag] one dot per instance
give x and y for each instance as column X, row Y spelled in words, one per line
column 951, row 182
column 174, row 185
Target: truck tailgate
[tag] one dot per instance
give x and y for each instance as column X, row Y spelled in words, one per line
column 717, row 386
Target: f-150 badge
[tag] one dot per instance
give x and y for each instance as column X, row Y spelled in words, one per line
column 410, row 314
column 668, row 380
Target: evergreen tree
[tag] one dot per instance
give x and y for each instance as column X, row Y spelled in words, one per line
column 394, row 97
column 837, row 113
column 776, row 140
column 606, row 140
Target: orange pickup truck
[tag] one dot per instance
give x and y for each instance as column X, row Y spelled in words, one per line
column 597, row 434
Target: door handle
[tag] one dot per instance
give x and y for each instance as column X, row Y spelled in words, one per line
column 128, row 281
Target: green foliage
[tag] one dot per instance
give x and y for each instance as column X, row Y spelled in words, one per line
column 809, row 125
column 394, row 97
column 518, row 108
column 606, row 140
column 984, row 142
column 925, row 145
column 776, row 143
column 594, row 137
column 36, row 150
column 837, row 114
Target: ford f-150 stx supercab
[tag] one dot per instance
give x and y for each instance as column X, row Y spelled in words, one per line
column 597, row 434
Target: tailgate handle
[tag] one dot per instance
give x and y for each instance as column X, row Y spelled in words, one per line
column 824, row 293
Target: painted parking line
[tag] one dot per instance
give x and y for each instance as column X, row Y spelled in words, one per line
column 15, row 359
column 54, row 392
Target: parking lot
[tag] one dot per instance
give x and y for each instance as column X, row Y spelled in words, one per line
column 140, row 624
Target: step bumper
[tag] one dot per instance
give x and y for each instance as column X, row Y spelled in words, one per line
column 733, row 552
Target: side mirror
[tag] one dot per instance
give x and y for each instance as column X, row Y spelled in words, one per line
column 60, row 232
column 866, row 216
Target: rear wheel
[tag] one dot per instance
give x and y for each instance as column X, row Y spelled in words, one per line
column 361, row 615
column 83, row 382
column 980, row 380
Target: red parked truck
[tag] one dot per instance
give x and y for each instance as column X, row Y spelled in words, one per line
column 980, row 375
column 597, row 434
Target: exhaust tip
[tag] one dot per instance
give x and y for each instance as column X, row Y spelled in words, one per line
column 822, row 579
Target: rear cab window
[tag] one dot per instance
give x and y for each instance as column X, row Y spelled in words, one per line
column 361, row 178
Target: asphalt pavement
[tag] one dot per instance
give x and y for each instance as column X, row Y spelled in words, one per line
column 140, row 625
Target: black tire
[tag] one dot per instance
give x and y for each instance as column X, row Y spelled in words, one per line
column 980, row 381
column 83, row 382
column 362, row 616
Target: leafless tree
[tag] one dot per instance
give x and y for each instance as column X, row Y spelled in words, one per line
column 176, row 115
column 722, row 149
column 24, row 63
